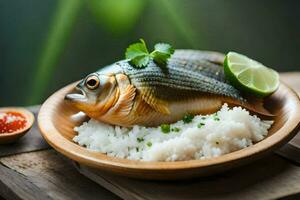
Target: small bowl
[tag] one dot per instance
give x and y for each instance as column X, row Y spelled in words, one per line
column 57, row 127
column 6, row 138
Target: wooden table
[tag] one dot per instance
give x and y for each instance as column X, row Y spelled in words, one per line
column 30, row 169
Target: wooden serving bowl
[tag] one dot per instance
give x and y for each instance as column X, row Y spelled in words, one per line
column 56, row 125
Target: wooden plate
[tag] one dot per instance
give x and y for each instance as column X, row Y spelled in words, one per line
column 56, row 125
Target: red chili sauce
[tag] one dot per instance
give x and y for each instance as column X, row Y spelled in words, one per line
column 11, row 122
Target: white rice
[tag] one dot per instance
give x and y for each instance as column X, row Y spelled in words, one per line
column 226, row 131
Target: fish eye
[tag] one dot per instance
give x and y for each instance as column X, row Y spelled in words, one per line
column 92, row 82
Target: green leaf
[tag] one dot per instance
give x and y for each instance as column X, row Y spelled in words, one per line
column 140, row 61
column 162, row 52
column 136, row 49
column 138, row 54
column 164, row 48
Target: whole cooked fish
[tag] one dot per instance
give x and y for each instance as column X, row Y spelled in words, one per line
column 192, row 82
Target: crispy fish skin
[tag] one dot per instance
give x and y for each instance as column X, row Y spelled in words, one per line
column 192, row 82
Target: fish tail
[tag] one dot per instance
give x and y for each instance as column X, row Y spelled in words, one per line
column 255, row 106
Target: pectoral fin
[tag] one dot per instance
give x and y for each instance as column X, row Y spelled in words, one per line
column 125, row 102
column 159, row 105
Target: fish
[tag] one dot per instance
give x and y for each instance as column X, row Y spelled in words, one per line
column 192, row 82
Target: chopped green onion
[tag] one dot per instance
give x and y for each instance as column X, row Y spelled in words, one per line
column 137, row 149
column 165, row 128
column 188, row 118
column 149, row 144
column 200, row 125
column 175, row 129
column 140, row 139
column 216, row 117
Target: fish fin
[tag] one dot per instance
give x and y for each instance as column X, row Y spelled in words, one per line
column 125, row 102
column 189, row 54
column 148, row 95
column 254, row 106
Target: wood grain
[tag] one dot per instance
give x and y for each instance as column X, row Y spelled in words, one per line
column 293, row 80
column 290, row 152
column 32, row 141
column 269, row 178
column 42, row 174
column 45, row 175
column 56, row 125
column 14, row 186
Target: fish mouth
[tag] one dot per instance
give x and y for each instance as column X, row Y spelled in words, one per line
column 79, row 96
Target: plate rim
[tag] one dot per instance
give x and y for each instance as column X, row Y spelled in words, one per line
column 99, row 160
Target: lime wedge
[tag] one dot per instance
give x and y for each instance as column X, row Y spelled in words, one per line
column 249, row 75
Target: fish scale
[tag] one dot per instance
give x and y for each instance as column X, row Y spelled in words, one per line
column 206, row 68
column 175, row 77
column 209, row 63
column 192, row 82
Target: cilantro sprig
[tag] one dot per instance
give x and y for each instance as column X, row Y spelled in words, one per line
column 139, row 55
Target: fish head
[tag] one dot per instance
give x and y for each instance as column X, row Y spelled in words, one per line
column 95, row 94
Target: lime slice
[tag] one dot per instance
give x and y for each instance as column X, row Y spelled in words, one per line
column 249, row 75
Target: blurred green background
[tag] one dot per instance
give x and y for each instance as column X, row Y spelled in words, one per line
column 48, row 44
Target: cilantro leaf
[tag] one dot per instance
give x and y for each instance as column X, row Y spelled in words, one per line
column 138, row 54
column 164, row 48
column 140, row 61
column 136, row 49
column 162, row 52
